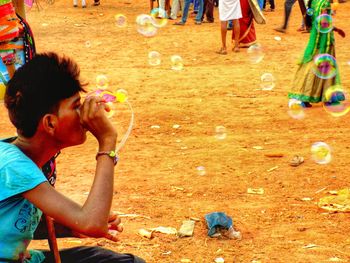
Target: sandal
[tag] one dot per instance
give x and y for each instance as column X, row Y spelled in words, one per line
column 96, row 3
column 296, row 161
column 222, row 51
column 179, row 23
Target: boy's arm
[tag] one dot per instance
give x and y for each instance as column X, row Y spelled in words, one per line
column 61, row 231
column 91, row 218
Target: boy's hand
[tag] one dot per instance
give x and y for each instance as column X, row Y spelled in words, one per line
column 94, row 119
column 114, row 227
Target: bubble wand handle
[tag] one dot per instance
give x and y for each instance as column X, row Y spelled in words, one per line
column 126, row 135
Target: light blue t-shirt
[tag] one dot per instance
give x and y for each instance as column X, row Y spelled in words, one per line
column 18, row 217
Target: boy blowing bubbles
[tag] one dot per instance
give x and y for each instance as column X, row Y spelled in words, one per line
column 44, row 104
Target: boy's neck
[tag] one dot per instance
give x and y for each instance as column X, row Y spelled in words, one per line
column 38, row 150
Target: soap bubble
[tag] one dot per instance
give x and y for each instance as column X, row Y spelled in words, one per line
column 102, row 82
column 267, row 81
column 325, row 66
column 120, row 20
column 176, row 62
column 296, row 109
column 154, row 58
column 160, row 17
column 255, row 53
column 145, row 25
column 201, row 170
column 321, row 153
column 323, row 23
column 337, row 103
column 220, row 132
column 309, row 11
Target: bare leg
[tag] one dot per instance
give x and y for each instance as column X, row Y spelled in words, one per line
column 223, row 25
column 236, row 30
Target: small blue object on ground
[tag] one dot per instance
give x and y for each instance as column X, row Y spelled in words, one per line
column 217, row 220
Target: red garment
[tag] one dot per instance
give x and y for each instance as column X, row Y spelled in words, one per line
column 246, row 23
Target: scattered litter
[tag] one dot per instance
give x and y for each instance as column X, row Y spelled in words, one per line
column 322, row 189
column 155, row 127
column 186, row 229
column 335, row 259
column 195, row 219
column 306, row 199
column 220, row 225
column 338, row 203
column 272, row 168
column 310, row 246
column 44, row 24
column 257, row 191
column 145, row 233
column 296, row 161
column 165, row 230
column 185, row 260
column 176, row 126
column 274, row 155
column 333, row 192
column 258, row 147
column 301, row 229
column 277, row 38
column 184, row 147
column 177, row 188
column 166, row 253
column 121, row 214
column 219, row 260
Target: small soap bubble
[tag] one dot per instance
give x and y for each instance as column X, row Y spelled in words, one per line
column 309, row 11
column 323, row 23
column 108, row 96
column 120, row 20
column 160, row 17
column 145, row 25
column 255, row 53
column 220, row 133
column 267, row 81
column 88, row 44
column 102, row 82
column 325, row 66
column 154, row 58
column 201, row 170
column 176, row 62
column 337, row 102
column 122, row 95
column 112, row 109
column 321, row 153
column 296, row 109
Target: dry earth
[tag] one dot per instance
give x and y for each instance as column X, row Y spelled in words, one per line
column 157, row 177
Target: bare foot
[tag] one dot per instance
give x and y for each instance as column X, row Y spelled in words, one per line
column 235, row 49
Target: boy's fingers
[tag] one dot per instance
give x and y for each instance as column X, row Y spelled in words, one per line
column 112, row 235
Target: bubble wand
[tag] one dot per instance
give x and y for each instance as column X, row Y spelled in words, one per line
column 120, row 96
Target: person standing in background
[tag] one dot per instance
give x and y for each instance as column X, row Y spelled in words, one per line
column 229, row 10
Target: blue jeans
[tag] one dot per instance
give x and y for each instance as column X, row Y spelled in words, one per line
column 288, row 4
column 91, row 255
column 187, row 7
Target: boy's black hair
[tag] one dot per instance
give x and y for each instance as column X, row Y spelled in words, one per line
column 37, row 89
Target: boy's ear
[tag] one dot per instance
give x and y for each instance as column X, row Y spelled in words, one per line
column 49, row 122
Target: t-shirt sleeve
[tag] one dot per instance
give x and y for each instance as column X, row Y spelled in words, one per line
column 19, row 176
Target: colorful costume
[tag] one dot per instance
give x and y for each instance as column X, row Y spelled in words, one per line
column 247, row 30
column 16, row 42
column 308, row 86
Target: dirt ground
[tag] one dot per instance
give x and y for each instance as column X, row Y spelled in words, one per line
column 176, row 113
